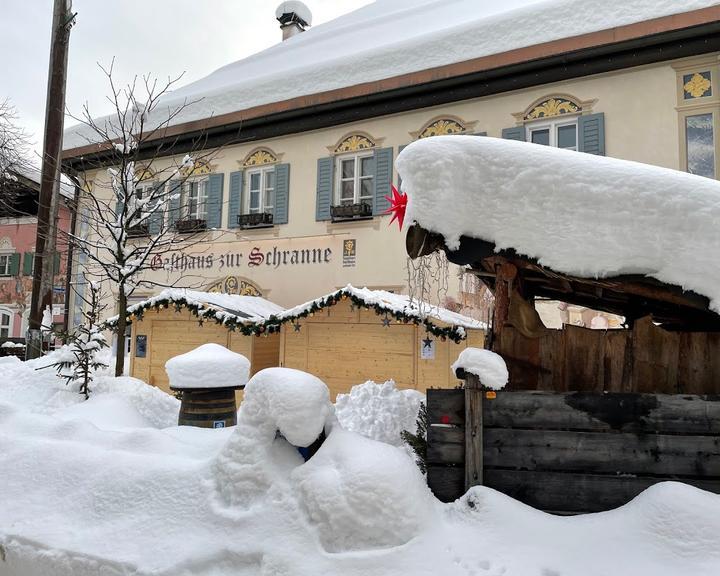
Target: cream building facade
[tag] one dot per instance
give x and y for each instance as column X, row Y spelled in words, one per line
column 664, row 111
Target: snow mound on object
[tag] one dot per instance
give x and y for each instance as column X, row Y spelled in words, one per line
column 379, row 411
column 489, row 367
column 208, row 366
column 298, row 8
column 276, row 400
column 581, row 214
column 360, row 494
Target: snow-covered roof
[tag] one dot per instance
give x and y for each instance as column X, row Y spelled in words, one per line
column 575, row 213
column 33, row 174
column 389, row 38
column 436, row 319
column 228, row 309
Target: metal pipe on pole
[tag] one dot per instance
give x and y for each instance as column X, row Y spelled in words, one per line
column 43, row 266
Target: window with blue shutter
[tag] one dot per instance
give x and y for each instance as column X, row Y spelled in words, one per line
column 175, row 202
column 156, row 218
column 235, row 202
column 324, row 191
column 514, row 133
column 383, row 179
column 591, row 134
column 215, row 200
column 282, row 193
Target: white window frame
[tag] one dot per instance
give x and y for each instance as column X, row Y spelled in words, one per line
column 263, row 205
column 356, row 179
column 200, row 211
column 552, row 125
column 5, row 270
column 9, row 327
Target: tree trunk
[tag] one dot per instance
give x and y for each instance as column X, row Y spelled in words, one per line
column 122, row 323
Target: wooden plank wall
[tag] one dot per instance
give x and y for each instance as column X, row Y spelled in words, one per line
column 345, row 345
column 646, row 359
column 577, row 452
column 170, row 333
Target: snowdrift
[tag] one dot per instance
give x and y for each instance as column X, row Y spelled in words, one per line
column 583, row 215
column 85, row 491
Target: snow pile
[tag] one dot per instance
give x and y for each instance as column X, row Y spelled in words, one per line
column 115, row 403
column 389, row 38
column 12, row 345
column 208, row 366
column 81, row 501
column 293, row 6
column 489, row 367
column 576, row 213
column 379, row 411
column 283, row 401
column 361, row 495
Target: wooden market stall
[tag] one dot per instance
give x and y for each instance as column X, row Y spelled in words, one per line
column 354, row 335
column 177, row 321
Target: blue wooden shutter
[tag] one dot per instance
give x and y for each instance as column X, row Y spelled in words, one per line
column 175, row 197
column 591, row 134
column 235, row 202
column 480, row 134
column 15, row 264
column 156, row 218
column 514, row 133
column 383, row 179
column 215, row 200
column 324, row 188
column 282, row 193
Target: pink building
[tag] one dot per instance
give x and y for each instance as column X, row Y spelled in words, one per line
column 18, row 228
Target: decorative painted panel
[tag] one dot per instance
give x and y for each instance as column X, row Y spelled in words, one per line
column 354, row 143
column 553, row 107
column 697, row 85
column 260, row 157
column 199, row 168
column 234, row 285
column 442, row 127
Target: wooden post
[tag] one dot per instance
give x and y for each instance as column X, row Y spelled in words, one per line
column 473, row 431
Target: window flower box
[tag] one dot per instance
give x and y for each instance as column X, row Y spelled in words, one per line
column 351, row 212
column 256, row 220
column 190, row 225
column 138, row 231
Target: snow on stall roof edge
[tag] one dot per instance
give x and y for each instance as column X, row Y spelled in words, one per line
column 246, row 309
column 585, row 215
column 393, row 303
column 389, row 38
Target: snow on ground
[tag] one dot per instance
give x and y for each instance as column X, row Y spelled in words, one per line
column 85, row 498
column 585, row 215
column 379, row 411
column 489, row 367
column 388, row 38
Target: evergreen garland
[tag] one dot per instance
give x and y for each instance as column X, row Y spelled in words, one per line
column 274, row 323
column 418, row 441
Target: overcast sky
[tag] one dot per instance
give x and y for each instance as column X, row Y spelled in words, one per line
column 160, row 37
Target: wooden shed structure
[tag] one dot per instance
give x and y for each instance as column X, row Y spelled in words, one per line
column 354, row 335
column 177, row 321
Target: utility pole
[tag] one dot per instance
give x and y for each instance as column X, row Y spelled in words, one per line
column 43, row 266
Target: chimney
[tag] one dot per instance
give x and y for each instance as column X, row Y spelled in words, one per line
column 294, row 18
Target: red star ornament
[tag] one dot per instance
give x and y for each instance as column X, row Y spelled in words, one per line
column 398, row 206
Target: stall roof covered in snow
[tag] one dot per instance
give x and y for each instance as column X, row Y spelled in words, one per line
column 229, row 309
column 404, row 308
column 612, row 234
column 392, row 38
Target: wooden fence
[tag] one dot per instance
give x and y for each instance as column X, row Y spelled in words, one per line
column 571, row 452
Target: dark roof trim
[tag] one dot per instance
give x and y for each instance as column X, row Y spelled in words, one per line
column 659, row 47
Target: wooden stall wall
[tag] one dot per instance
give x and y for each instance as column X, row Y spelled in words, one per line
column 576, row 452
column 345, row 345
column 170, row 333
column 645, row 359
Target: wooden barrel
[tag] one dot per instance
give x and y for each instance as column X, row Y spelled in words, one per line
column 214, row 408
